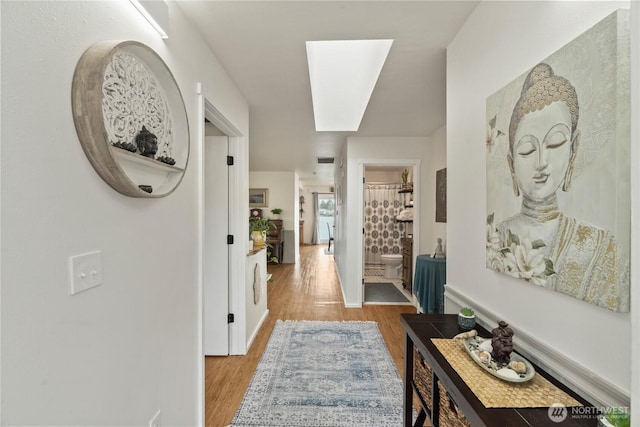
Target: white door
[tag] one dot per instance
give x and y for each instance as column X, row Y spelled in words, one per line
column 216, row 249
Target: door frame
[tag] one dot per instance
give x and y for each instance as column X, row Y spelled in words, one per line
column 361, row 165
column 215, row 248
column 326, row 241
column 238, row 186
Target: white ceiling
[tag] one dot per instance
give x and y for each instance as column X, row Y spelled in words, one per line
column 261, row 44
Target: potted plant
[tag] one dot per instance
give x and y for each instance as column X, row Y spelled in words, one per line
column 258, row 228
column 405, row 177
column 615, row 417
column 270, row 256
column 466, row 318
column 276, row 213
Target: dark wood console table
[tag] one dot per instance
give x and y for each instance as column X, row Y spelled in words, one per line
column 419, row 330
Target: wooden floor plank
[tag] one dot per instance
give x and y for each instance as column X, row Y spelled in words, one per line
column 308, row 290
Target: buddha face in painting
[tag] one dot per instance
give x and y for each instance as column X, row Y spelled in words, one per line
column 542, row 151
column 543, row 138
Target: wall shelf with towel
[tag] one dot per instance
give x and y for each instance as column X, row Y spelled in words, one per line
column 408, row 204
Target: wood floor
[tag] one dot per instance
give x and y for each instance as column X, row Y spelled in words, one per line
column 308, row 290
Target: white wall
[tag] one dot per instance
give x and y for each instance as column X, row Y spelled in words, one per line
column 118, row 353
column 283, row 194
column 479, row 62
column 435, row 159
column 393, row 177
column 340, row 244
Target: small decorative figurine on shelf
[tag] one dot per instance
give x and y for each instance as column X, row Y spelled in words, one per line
column 126, row 146
column 167, row 160
column 439, row 252
column 502, row 342
column 147, row 143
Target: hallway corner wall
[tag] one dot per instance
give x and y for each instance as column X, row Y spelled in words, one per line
column 480, row 62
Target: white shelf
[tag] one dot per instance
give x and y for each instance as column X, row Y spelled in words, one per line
column 128, row 156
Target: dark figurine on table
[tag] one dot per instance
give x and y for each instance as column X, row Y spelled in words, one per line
column 502, row 342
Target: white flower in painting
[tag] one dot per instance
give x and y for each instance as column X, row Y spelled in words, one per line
column 530, row 262
column 538, row 280
column 493, row 239
column 510, row 263
column 495, row 261
column 522, row 259
column 494, row 257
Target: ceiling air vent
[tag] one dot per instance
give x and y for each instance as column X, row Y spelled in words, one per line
column 326, row 160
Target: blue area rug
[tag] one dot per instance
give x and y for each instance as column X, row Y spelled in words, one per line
column 323, row 374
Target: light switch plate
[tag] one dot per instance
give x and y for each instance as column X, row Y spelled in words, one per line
column 85, row 271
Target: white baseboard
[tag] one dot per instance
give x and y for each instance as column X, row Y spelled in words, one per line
column 352, row 305
column 344, row 298
column 588, row 384
column 255, row 331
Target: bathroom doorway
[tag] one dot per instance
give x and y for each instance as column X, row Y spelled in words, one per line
column 388, row 234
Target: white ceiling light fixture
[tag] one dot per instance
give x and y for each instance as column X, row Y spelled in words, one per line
column 156, row 12
column 343, row 74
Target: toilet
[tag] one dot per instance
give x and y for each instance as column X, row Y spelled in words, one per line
column 393, row 265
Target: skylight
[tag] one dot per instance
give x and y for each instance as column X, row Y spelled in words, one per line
column 343, row 74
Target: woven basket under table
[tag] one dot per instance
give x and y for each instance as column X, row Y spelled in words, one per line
column 449, row 415
column 422, row 377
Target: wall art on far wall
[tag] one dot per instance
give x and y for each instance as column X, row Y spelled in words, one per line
column 441, row 195
column 258, row 197
column 558, row 171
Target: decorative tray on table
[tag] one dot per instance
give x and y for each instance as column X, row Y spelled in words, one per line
column 518, row 370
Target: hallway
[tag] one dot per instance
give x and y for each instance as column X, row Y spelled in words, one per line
column 309, row 290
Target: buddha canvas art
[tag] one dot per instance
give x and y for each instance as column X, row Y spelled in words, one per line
column 558, row 190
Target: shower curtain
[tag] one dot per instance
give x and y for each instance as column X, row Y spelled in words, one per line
column 382, row 234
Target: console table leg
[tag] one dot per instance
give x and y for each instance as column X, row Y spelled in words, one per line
column 408, row 378
column 422, row 416
column 435, row 400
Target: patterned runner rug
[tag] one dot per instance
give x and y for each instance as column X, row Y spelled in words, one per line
column 323, row 374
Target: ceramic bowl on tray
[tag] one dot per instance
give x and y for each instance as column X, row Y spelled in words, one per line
column 480, row 351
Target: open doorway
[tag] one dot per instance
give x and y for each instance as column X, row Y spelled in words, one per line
column 223, row 202
column 388, row 212
column 215, row 268
column 324, row 219
column 215, row 254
